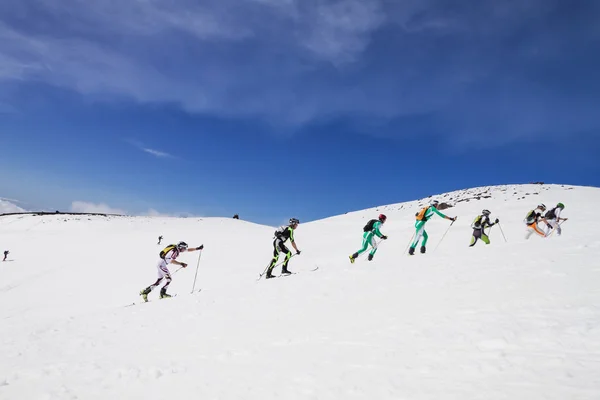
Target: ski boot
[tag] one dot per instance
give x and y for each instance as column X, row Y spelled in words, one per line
column 353, row 257
column 285, row 271
column 164, row 294
column 269, row 274
column 144, row 293
column 370, row 258
column 423, row 249
column 411, row 251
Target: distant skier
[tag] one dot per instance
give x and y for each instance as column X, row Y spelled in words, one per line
column 532, row 219
column 282, row 234
column 553, row 219
column 159, row 239
column 5, row 254
column 422, row 217
column 167, row 256
column 479, row 224
column 371, row 229
column 236, row 216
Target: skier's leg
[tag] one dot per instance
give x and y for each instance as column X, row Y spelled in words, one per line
column 420, row 229
column 163, row 291
column 475, row 237
column 538, row 230
column 485, row 238
column 365, row 243
column 275, row 257
column 373, row 244
column 424, row 243
column 288, row 255
column 553, row 224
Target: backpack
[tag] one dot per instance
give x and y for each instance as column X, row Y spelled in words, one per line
column 167, row 249
column 531, row 217
column 477, row 222
column 421, row 214
column 369, row 226
column 551, row 214
column 279, row 231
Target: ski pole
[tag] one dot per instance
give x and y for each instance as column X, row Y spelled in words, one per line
column 500, row 226
column 554, row 229
column 443, row 236
column 195, row 276
column 409, row 242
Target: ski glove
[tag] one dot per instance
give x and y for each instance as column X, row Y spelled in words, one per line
column 183, row 265
column 200, row 247
column 298, row 252
column 497, row 220
column 383, row 237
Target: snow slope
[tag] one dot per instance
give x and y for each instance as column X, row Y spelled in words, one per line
column 515, row 320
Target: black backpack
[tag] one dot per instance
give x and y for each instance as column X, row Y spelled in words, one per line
column 369, row 226
column 551, row 214
column 279, row 231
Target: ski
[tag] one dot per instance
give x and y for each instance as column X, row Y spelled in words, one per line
column 149, row 301
column 294, row 273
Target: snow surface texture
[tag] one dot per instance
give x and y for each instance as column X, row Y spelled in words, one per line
column 516, row 320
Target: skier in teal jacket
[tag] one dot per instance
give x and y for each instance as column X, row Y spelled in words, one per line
column 370, row 231
column 422, row 217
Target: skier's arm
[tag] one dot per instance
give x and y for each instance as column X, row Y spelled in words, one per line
column 435, row 210
column 376, row 230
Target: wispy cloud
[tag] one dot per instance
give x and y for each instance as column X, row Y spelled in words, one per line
column 493, row 71
column 142, row 147
column 9, row 206
column 100, row 208
column 156, row 153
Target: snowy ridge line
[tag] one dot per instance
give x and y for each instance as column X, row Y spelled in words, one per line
column 34, row 213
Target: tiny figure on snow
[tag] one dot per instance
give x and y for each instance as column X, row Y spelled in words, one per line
column 236, row 216
column 553, row 219
column 5, row 254
column 479, row 224
column 422, row 217
column 282, row 234
column 371, row 229
column 167, row 256
column 159, row 239
column 532, row 220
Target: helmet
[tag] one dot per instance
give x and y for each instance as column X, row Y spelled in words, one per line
column 294, row 221
column 182, row 246
column 560, row 205
column 434, row 203
column 382, row 217
column 541, row 205
column 486, row 212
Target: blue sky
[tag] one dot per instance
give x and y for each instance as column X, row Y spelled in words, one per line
column 273, row 109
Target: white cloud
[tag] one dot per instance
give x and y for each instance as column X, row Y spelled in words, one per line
column 156, row 153
column 7, row 206
column 100, row 208
column 90, row 52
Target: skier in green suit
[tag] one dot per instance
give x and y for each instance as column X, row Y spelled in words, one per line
column 422, row 217
column 370, row 231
